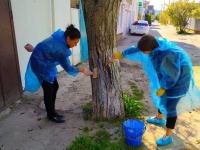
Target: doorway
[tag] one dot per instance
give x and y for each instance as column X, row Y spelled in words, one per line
column 10, row 81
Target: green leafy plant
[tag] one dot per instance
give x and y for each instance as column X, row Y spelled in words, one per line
column 86, row 129
column 87, row 107
column 87, row 110
column 132, row 102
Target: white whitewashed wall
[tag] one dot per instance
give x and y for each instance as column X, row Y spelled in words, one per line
column 35, row 20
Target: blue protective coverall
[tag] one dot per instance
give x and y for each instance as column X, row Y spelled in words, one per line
column 45, row 57
column 168, row 66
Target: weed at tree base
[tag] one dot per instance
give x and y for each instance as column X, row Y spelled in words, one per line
column 102, row 139
column 132, row 103
column 99, row 141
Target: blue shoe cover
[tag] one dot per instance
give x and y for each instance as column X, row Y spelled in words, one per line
column 164, row 140
column 155, row 120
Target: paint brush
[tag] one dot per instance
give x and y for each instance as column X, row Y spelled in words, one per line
column 95, row 72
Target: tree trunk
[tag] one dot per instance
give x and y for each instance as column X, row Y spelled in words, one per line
column 101, row 25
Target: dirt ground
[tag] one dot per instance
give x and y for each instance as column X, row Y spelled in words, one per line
column 25, row 126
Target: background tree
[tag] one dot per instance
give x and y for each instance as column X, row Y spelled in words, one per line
column 179, row 13
column 153, row 17
column 163, row 18
column 148, row 18
column 196, row 13
column 101, row 25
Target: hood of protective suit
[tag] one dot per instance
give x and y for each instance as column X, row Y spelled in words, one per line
column 59, row 35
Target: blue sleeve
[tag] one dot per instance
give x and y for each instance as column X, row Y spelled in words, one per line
column 133, row 53
column 65, row 63
column 170, row 69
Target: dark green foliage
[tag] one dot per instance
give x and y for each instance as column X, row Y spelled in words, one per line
column 148, row 18
column 183, row 32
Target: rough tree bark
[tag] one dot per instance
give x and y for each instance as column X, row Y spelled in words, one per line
column 101, row 25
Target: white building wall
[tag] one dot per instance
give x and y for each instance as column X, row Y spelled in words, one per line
column 193, row 24
column 32, row 24
column 143, row 11
column 76, row 54
column 35, row 20
column 61, row 17
column 120, row 19
column 125, row 18
column 136, row 9
column 61, row 14
column 127, row 15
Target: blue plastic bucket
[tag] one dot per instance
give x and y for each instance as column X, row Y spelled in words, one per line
column 133, row 131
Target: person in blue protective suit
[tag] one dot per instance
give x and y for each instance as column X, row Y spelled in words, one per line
column 42, row 71
column 170, row 73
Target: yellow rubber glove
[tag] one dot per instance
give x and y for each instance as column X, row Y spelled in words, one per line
column 160, row 91
column 117, row 55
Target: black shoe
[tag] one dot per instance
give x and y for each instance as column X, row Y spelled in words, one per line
column 57, row 115
column 56, row 119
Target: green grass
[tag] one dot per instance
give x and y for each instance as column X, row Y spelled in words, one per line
column 102, row 139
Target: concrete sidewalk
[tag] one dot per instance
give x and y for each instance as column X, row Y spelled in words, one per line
column 24, row 126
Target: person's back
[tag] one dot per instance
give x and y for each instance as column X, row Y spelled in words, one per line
column 42, row 71
column 175, row 65
column 49, row 53
column 169, row 70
